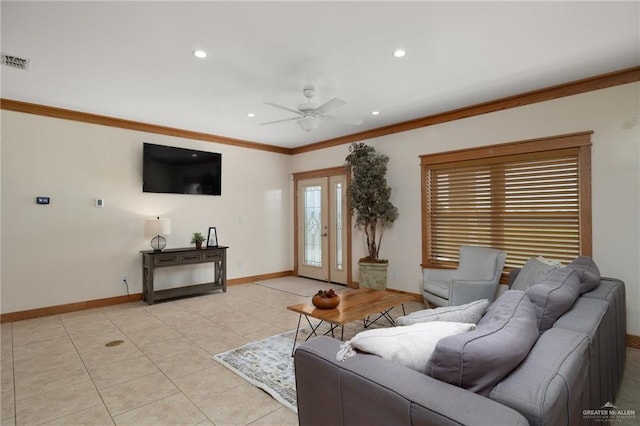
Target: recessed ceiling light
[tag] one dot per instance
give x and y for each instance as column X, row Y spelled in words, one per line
column 399, row 53
column 200, row 54
column 251, row 115
column 375, row 112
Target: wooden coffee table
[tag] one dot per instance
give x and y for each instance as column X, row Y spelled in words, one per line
column 355, row 305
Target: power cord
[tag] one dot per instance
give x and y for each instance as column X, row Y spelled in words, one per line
column 124, row 280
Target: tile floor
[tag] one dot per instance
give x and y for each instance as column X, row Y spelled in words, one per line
column 57, row 370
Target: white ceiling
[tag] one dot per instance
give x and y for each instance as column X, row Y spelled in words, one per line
column 133, row 60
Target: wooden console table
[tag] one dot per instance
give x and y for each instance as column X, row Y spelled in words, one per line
column 183, row 256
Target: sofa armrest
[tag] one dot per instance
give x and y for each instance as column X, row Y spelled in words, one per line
column 367, row 389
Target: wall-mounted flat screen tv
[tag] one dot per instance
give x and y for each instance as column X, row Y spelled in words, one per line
column 171, row 170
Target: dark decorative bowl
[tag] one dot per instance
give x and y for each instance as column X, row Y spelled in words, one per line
column 325, row 302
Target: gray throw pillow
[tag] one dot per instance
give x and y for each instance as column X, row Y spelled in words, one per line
column 469, row 313
column 554, row 296
column 532, row 272
column 477, row 360
column 588, row 273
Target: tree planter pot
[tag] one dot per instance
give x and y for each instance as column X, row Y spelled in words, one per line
column 373, row 275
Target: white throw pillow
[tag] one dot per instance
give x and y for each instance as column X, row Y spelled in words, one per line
column 410, row 346
column 469, row 313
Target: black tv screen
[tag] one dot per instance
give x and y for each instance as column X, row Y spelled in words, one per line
column 172, row 170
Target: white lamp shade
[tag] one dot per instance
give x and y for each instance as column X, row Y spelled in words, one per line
column 158, row 226
column 308, row 123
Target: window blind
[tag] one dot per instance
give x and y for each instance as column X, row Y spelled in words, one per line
column 526, row 204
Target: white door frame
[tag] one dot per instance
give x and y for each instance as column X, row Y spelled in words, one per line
column 323, row 173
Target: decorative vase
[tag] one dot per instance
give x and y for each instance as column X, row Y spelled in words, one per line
column 325, row 302
column 373, row 275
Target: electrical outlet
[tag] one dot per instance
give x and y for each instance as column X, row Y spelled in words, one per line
column 124, row 278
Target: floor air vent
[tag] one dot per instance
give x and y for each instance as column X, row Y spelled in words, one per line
column 14, row 61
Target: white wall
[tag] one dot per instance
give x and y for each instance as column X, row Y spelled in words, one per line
column 71, row 251
column 613, row 114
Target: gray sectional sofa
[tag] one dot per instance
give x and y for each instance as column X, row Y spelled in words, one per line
column 573, row 362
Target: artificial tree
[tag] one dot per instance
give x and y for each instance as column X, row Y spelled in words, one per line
column 369, row 197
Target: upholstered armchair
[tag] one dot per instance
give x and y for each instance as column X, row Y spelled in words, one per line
column 477, row 277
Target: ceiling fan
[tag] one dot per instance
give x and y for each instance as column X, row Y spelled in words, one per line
column 309, row 115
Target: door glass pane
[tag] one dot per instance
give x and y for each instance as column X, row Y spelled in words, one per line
column 312, row 226
column 338, row 240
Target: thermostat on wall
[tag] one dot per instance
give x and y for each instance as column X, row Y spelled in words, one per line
column 42, row 200
column 99, row 202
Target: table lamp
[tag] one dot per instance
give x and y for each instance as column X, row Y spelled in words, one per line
column 156, row 229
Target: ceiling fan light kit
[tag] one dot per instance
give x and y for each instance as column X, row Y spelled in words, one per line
column 308, row 123
column 308, row 91
column 200, row 54
column 309, row 115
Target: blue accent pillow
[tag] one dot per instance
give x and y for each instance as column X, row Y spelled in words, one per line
column 469, row 313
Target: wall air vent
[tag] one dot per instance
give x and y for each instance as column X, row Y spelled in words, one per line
column 14, row 61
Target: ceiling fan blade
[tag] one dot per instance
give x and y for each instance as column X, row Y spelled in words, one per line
column 346, row 120
column 280, row 121
column 328, row 106
column 284, row 108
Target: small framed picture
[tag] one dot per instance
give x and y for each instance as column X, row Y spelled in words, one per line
column 212, row 240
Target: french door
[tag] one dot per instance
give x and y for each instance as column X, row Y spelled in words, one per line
column 321, row 228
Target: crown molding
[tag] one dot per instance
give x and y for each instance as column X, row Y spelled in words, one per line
column 67, row 114
column 603, row 81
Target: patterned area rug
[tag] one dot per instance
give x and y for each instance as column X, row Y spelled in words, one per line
column 267, row 364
